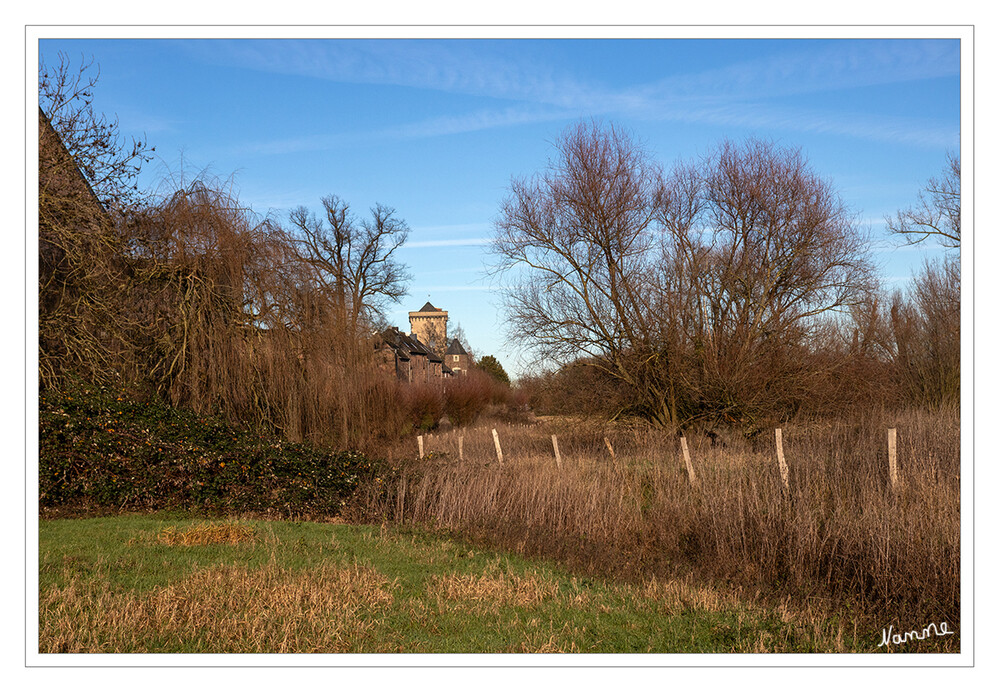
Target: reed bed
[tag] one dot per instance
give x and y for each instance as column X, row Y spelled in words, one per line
column 840, row 533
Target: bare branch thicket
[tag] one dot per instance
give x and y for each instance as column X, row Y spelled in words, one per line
column 243, row 329
column 763, row 257
column 86, row 187
column 352, row 274
column 925, row 323
column 937, row 214
column 698, row 289
column 926, row 334
column 202, row 256
column 194, row 297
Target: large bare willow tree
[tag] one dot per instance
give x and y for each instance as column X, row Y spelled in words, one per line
column 191, row 296
column 698, row 288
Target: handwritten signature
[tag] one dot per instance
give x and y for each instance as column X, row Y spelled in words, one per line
column 905, row 637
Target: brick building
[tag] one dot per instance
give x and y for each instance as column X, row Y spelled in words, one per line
column 414, row 357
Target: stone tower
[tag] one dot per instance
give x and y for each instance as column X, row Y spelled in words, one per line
column 429, row 324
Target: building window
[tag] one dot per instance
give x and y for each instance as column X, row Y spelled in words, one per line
column 454, row 358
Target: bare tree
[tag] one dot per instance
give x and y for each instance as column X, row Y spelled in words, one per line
column 925, row 324
column 352, row 262
column 765, row 251
column 925, row 328
column 938, row 212
column 698, row 290
column 577, row 243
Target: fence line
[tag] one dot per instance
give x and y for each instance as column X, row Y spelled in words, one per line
column 425, row 447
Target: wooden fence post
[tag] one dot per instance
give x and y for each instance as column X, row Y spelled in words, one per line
column 461, row 447
column 686, row 460
column 419, row 440
column 611, row 449
column 779, row 437
column 893, row 458
column 499, row 451
column 558, row 457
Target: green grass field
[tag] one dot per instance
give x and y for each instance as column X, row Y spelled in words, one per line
column 130, row 584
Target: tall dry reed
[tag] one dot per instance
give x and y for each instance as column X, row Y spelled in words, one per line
column 839, row 534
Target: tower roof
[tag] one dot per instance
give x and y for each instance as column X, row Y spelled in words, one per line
column 456, row 349
column 427, row 307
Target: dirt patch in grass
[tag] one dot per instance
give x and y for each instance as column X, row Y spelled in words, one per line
column 222, row 609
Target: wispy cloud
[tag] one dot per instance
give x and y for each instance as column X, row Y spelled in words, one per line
column 482, row 119
column 455, row 66
column 141, row 122
column 809, row 67
column 739, row 94
column 445, row 289
column 450, row 242
column 759, row 116
column 487, row 68
column 475, row 227
column 890, row 247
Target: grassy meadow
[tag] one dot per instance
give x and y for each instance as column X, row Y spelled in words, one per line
column 455, row 552
column 162, row 583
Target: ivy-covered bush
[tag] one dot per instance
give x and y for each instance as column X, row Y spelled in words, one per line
column 101, row 450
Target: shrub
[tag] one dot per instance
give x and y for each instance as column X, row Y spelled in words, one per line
column 424, row 403
column 99, row 450
column 468, row 396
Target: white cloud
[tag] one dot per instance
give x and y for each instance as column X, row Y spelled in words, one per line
column 476, row 227
column 446, row 242
column 891, row 246
column 728, row 96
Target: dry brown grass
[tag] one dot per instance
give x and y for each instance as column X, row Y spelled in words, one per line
column 841, row 534
column 208, row 533
column 493, row 591
column 223, row 610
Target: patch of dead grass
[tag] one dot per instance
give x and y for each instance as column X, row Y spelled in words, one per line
column 493, row 590
column 208, row 533
column 222, row 609
column 677, row 594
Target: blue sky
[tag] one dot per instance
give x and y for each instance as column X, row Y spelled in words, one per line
column 437, row 128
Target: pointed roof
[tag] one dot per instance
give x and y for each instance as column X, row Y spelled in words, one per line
column 427, row 307
column 456, row 349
